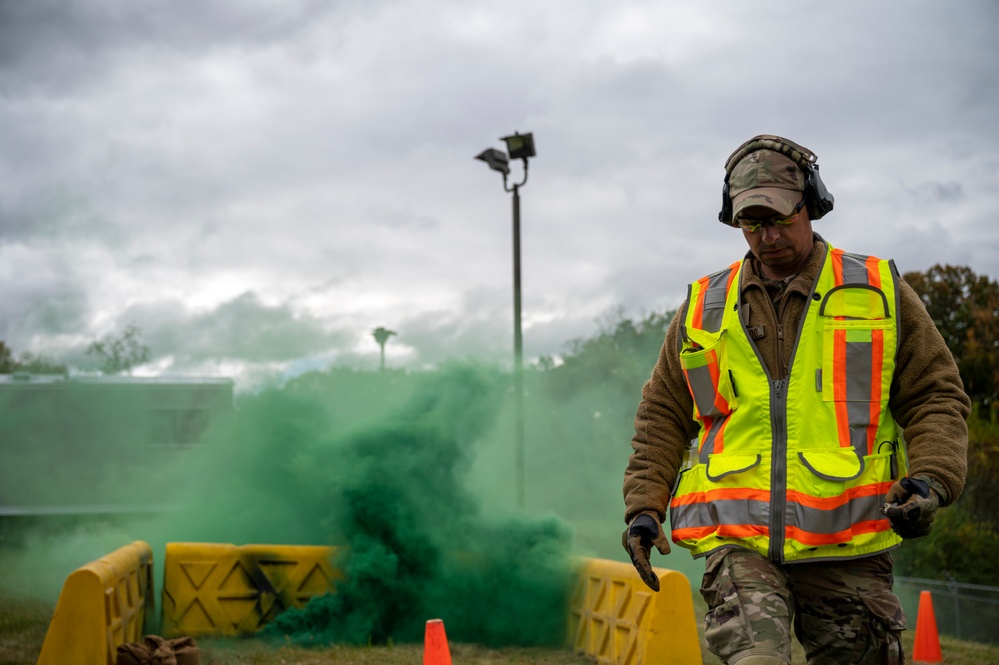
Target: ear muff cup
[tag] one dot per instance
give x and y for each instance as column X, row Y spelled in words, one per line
column 818, row 199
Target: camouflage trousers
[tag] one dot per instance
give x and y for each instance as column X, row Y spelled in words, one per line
column 842, row 612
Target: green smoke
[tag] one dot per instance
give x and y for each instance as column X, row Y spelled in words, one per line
column 419, row 545
column 412, row 475
column 382, row 465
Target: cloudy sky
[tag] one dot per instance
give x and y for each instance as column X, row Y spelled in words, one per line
column 257, row 184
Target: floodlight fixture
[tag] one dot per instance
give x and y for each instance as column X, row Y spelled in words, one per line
column 496, row 159
column 520, row 146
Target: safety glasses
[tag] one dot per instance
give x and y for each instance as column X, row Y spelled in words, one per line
column 753, row 225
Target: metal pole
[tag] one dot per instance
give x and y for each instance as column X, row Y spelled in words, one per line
column 518, row 353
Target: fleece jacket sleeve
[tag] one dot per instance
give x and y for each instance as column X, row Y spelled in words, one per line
column 928, row 400
column 664, row 426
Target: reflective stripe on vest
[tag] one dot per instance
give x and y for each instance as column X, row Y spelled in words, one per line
column 703, row 371
column 707, row 297
column 794, row 468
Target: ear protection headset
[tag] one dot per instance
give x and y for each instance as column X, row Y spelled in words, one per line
column 818, row 200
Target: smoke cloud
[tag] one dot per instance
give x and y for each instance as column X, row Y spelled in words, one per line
column 411, row 477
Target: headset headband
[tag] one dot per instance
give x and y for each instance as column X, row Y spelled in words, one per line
column 800, row 155
column 817, row 198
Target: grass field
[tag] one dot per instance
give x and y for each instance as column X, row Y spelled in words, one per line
column 23, row 624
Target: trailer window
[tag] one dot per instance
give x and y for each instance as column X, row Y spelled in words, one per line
column 166, row 427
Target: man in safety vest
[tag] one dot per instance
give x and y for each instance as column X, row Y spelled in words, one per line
column 804, row 416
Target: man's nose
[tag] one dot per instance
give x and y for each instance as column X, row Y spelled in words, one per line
column 770, row 234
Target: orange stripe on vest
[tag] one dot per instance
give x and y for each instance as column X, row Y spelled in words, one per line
column 845, row 536
column 724, row 530
column 722, row 495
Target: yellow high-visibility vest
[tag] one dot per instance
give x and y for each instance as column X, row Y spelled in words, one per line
column 794, row 468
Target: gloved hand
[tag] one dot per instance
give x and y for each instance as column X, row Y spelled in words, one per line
column 909, row 506
column 642, row 533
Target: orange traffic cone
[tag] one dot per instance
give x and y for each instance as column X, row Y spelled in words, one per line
column 927, row 646
column 435, row 650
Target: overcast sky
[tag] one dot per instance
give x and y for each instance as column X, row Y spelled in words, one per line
column 257, row 184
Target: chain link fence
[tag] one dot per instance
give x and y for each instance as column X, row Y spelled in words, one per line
column 965, row 611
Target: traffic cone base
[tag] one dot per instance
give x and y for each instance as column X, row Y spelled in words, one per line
column 435, row 649
column 927, row 646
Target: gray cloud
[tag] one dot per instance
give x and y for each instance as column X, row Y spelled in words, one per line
column 57, row 47
column 243, row 328
column 264, row 183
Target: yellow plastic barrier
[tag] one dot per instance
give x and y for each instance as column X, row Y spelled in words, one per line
column 102, row 605
column 217, row 589
column 618, row 620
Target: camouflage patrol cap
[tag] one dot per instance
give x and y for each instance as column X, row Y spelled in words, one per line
column 766, row 178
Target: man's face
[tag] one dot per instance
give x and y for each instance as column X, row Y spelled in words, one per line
column 783, row 249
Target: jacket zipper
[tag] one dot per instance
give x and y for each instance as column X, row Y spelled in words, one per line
column 778, row 470
column 781, row 363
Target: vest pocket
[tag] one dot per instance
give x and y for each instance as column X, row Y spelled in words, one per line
column 722, row 465
column 705, row 367
column 723, row 502
column 856, row 375
column 856, row 329
column 853, row 360
column 834, row 503
column 839, row 466
column 855, row 301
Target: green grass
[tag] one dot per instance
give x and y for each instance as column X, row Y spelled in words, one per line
column 23, row 624
column 256, row 652
column 22, row 630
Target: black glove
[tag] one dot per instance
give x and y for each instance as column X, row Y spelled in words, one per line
column 910, row 506
column 642, row 533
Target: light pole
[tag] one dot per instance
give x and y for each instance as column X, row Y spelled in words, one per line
column 519, row 146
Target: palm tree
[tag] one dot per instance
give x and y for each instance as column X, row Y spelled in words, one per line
column 381, row 336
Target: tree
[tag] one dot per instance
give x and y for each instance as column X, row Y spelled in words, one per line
column 27, row 362
column 965, row 306
column 381, row 336
column 36, row 363
column 7, row 363
column 119, row 355
column 620, row 355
